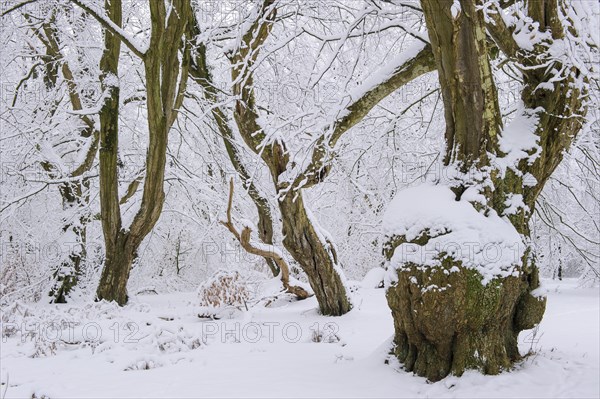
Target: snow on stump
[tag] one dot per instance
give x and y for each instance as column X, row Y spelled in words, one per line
column 458, row 295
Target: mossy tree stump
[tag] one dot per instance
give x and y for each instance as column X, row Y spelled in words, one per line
column 461, row 324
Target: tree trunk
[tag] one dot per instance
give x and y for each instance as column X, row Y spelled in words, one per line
column 115, row 273
column 67, row 275
column 467, row 324
column 166, row 73
column 109, row 288
column 470, row 106
column 201, row 73
column 315, row 255
column 301, row 237
column 74, row 193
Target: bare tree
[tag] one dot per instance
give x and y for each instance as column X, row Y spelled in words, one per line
column 71, row 177
column 467, row 321
column 303, row 238
column 166, row 62
column 200, row 73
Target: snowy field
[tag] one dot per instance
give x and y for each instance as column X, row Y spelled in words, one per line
column 158, row 347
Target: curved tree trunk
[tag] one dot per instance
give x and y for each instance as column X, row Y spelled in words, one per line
column 200, row 72
column 301, row 238
column 315, row 255
column 270, row 252
column 467, row 323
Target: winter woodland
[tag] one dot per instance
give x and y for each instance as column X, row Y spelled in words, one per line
column 390, row 198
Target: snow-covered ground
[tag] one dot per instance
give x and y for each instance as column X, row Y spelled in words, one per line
column 158, row 347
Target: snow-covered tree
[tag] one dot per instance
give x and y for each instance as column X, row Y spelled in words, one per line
column 461, row 248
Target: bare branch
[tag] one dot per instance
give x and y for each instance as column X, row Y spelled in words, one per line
column 112, row 28
column 17, row 6
column 261, row 249
column 413, row 67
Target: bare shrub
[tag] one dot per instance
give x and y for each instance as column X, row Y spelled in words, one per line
column 224, row 288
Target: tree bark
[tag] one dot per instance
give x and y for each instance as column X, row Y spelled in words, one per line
column 471, row 110
column 316, row 257
column 116, row 260
column 166, row 64
column 469, row 325
column 115, row 273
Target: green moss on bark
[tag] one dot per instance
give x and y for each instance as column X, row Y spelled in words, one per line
column 448, row 322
